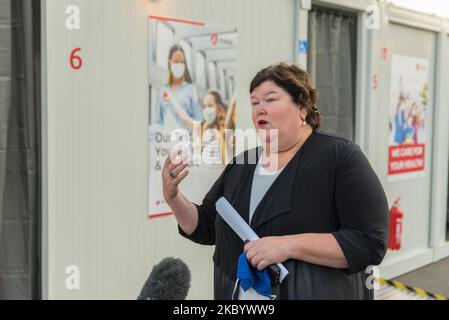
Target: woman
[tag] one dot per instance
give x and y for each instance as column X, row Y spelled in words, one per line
column 214, row 112
column 324, row 216
column 217, row 118
column 178, row 98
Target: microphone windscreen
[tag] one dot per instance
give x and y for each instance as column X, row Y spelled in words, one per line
column 169, row 280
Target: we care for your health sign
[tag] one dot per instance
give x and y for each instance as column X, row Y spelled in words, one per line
column 408, row 112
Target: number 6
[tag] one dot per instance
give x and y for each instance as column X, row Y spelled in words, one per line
column 74, row 58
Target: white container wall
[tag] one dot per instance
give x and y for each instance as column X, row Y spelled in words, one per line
column 95, row 123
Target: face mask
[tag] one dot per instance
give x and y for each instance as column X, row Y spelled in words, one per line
column 209, row 115
column 178, row 69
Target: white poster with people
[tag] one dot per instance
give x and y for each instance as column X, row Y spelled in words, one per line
column 408, row 111
column 192, row 85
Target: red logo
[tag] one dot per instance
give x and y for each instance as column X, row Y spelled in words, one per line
column 214, row 39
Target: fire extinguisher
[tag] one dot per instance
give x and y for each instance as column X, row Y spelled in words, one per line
column 396, row 216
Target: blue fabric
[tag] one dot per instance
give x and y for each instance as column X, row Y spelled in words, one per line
column 186, row 96
column 250, row 277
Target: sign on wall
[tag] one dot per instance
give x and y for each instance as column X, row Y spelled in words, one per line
column 192, row 86
column 408, row 112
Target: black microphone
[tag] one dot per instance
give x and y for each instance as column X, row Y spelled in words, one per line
column 169, row 280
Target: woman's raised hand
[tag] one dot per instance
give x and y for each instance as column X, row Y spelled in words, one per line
column 173, row 172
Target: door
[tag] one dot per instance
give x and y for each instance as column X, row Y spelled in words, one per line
column 406, row 81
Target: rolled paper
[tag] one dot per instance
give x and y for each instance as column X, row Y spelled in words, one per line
column 241, row 228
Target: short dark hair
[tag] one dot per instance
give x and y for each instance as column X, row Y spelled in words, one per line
column 297, row 83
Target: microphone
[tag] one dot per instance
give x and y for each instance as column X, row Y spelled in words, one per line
column 169, row 280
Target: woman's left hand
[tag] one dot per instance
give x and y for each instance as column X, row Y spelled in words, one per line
column 267, row 251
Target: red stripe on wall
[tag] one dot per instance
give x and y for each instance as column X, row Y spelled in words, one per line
column 196, row 23
column 160, row 215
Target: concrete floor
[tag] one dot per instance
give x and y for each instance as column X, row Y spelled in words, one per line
column 433, row 278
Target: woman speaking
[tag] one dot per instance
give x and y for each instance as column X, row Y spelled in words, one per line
column 319, row 209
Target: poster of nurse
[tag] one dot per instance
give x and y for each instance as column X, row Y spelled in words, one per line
column 192, row 102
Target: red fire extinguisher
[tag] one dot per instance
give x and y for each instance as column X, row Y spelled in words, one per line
column 396, row 216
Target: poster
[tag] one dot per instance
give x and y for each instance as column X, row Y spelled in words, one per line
column 192, row 90
column 408, row 112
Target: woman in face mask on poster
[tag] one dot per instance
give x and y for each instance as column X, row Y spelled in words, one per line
column 216, row 114
column 177, row 101
column 217, row 118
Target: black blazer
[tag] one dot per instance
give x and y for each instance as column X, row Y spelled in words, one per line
column 328, row 187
